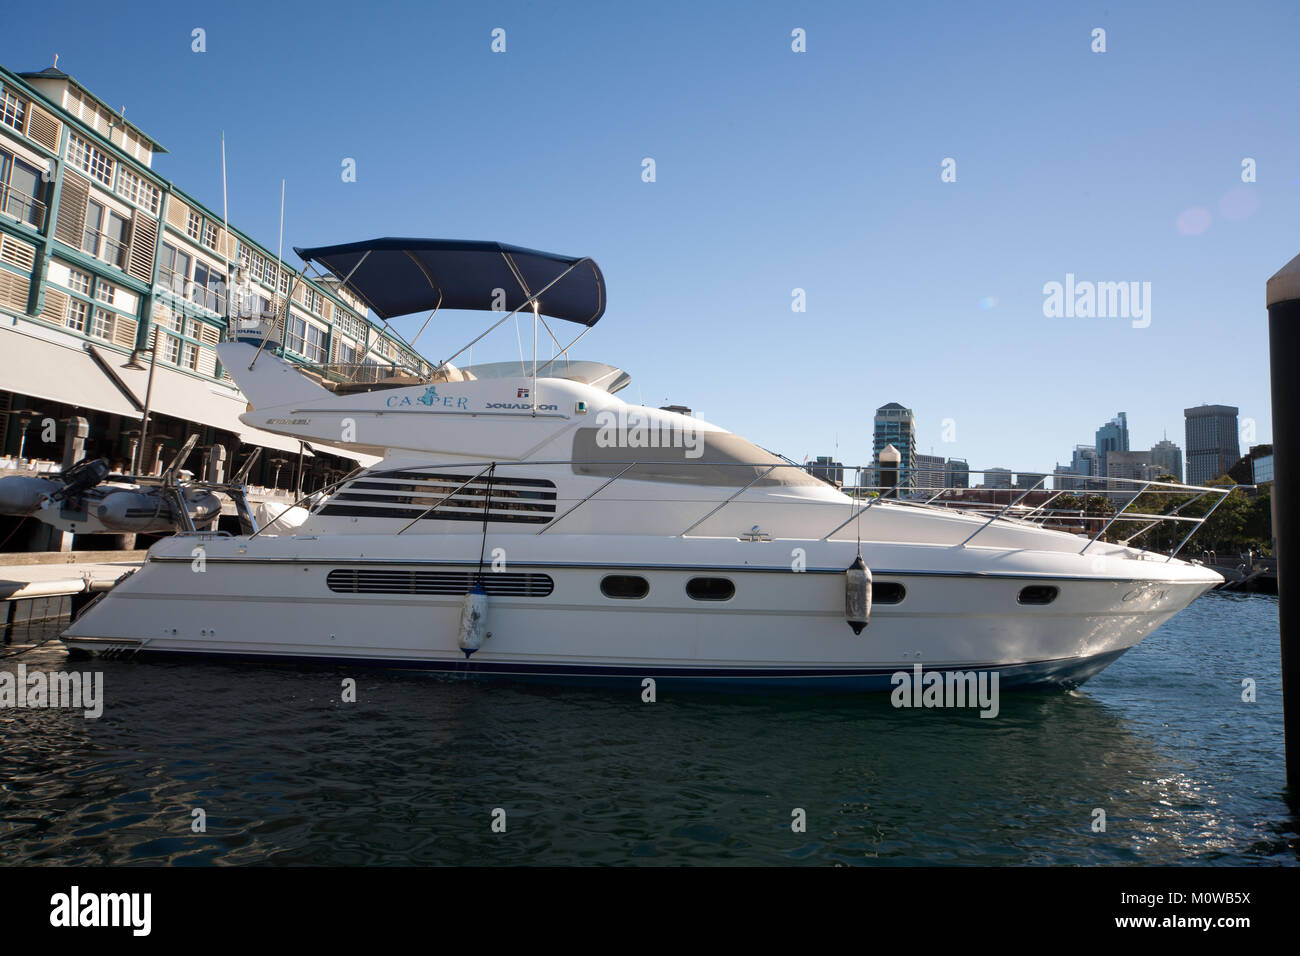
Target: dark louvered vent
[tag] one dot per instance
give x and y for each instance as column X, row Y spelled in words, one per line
column 407, row 495
column 401, row 581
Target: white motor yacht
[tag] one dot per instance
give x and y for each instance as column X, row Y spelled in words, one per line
column 526, row 522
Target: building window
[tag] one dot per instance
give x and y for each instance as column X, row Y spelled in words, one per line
column 315, row 344
column 297, row 332
column 79, row 281
column 173, row 268
column 137, row 190
column 171, row 349
column 208, row 289
column 209, row 235
column 194, row 226
column 101, row 325
column 106, row 292
column 105, row 235
column 20, row 189
column 77, row 315
column 13, row 111
column 191, row 356
column 347, row 354
column 90, row 159
column 311, row 298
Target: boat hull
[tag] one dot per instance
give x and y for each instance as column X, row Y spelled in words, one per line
column 781, row 629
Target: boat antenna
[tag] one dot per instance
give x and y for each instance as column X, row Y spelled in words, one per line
column 279, row 249
column 225, row 217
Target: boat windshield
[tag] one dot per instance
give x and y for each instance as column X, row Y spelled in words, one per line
column 710, row 458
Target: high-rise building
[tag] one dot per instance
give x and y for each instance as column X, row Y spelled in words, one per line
column 1112, row 436
column 997, row 478
column 1168, row 458
column 1031, row 479
column 827, row 470
column 930, row 472
column 956, row 473
column 896, row 425
column 1212, row 442
column 1133, row 465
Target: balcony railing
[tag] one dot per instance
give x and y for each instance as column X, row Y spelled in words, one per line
column 102, row 246
column 22, row 207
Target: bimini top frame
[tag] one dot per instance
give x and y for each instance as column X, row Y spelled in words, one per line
column 396, row 277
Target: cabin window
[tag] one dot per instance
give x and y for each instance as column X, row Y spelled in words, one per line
column 625, row 586
column 887, row 592
column 1038, row 594
column 710, row 589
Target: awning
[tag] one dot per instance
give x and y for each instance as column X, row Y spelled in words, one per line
column 58, row 372
column 401, row 276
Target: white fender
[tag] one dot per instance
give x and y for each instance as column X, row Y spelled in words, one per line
column 473, row 620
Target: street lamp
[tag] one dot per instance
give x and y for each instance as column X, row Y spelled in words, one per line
column 134, row 363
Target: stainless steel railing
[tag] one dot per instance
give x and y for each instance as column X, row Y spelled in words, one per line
column 1019, row 508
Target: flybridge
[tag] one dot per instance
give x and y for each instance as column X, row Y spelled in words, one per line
column 396, row 277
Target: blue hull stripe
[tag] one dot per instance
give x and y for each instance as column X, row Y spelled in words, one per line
column 1066, row 672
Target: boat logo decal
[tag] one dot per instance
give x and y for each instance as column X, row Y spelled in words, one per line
column 430, row 398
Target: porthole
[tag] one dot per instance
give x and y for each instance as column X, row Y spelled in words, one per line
column 1038, row 594
column 710, row 589
column 887, row 592
column 627, row 586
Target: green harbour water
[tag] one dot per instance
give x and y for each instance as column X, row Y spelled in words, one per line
column 286, row 773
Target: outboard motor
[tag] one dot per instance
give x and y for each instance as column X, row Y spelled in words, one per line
column 81, row 476
column 857, row 594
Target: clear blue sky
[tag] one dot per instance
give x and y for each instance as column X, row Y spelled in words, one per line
column 777, row 170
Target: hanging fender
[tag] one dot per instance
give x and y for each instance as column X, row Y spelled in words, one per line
column 857, row 594
column 473, row 620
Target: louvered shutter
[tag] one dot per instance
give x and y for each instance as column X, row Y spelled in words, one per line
column 71, row 221
column 144, row 242
column 43, row 128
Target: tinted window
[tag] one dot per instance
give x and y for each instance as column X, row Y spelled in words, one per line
column 887, row 592
column 710, row 589
column 624, row 586
column 1038, row 594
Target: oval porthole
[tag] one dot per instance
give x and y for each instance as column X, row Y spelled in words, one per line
column 710, row 589
column 626, row 586
column 1038, row 594
column 887, row 592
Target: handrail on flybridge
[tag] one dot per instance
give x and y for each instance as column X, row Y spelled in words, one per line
column 865, row 497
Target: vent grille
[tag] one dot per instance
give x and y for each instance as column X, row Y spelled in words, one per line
column 452, row 583
column 407, row 495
